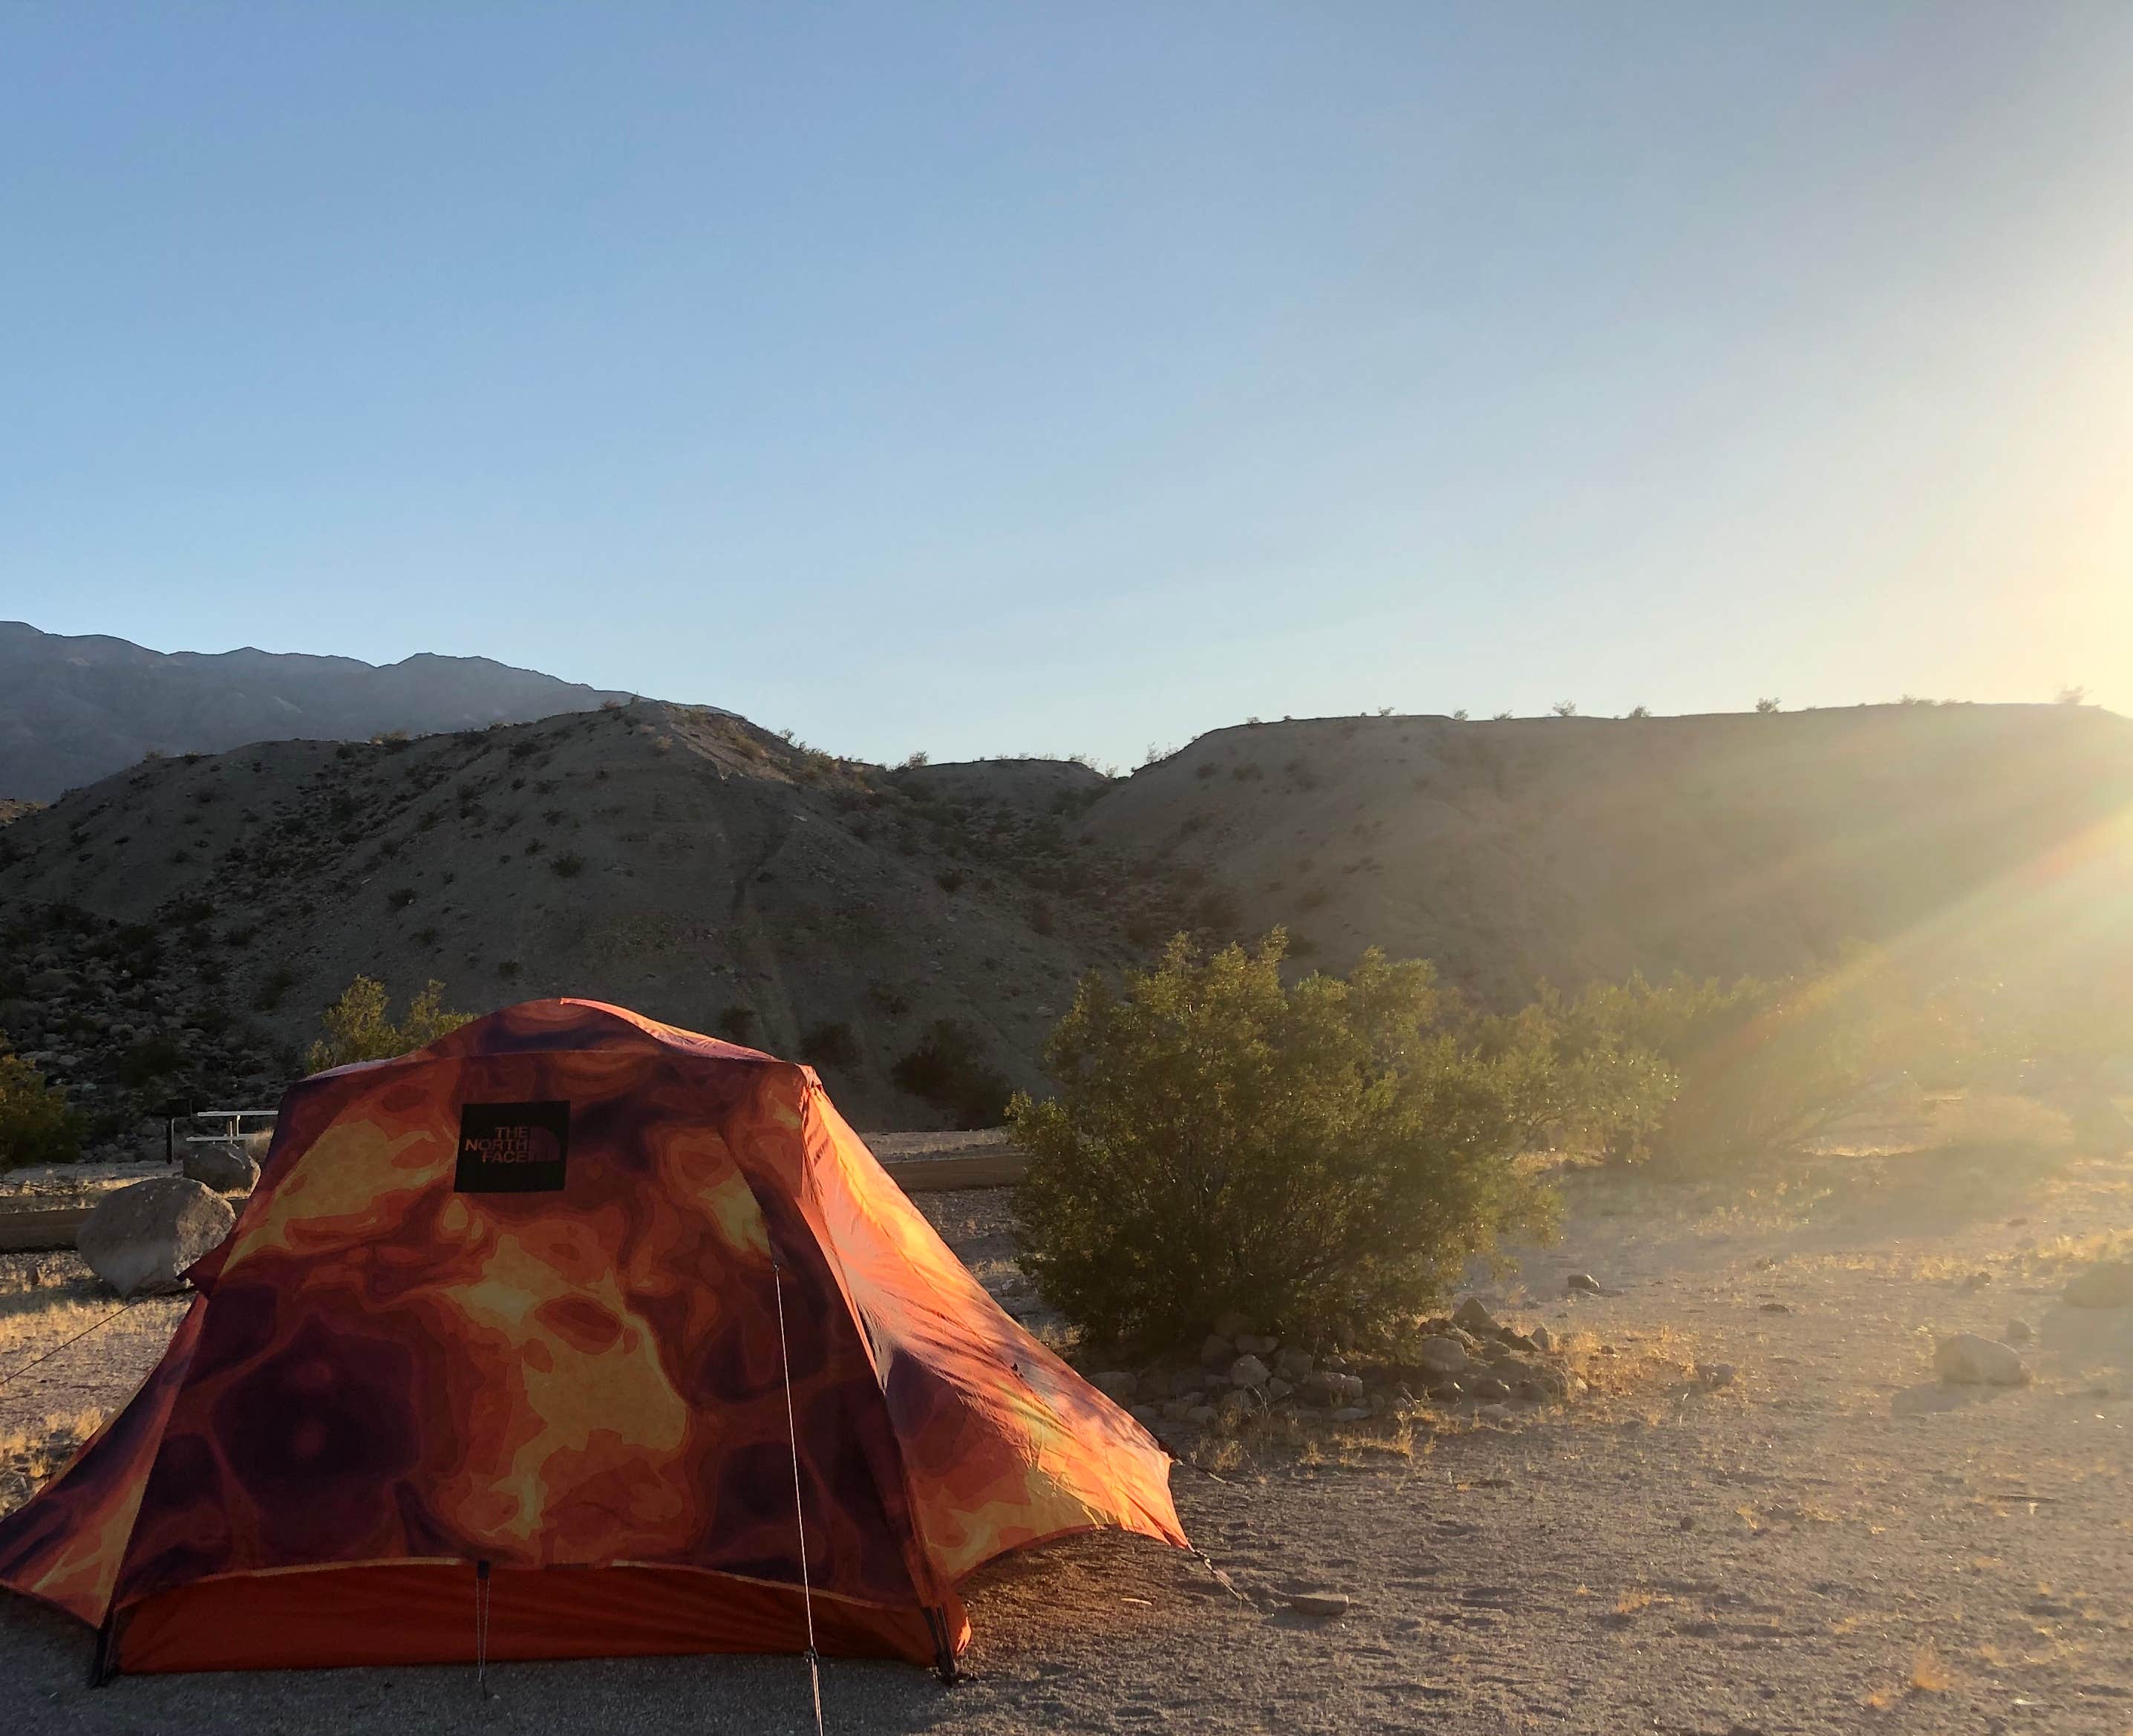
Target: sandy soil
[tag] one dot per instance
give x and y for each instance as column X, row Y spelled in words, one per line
column 1832, row 1542
column 50, row 1184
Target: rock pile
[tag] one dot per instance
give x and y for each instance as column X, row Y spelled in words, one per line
column 1469, row 1360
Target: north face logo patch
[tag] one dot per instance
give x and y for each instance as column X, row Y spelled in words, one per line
column 512, row 1148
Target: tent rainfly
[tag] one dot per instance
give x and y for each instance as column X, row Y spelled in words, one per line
column 573, row 1334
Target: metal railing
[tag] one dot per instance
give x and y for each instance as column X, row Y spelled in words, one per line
column 232, row 1132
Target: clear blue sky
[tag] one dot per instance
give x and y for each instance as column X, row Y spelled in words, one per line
column 1021, row 379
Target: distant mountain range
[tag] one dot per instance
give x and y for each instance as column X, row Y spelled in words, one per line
column 73, row 709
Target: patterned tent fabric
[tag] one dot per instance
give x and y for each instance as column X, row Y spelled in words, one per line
column 513, row 1300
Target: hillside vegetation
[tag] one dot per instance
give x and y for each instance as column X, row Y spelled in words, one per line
column 925, row 924
column 177, row 928
column 1572, row 849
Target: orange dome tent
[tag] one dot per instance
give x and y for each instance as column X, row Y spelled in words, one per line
column 509, row 1330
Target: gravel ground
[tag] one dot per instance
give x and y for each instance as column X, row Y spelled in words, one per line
column 1832, row 1542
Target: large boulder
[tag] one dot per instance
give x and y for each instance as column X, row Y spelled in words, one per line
column 221, row 1166
column 139, row 1239
column 1440, row 1358
column 1473, row 1315
column 1968, row 1359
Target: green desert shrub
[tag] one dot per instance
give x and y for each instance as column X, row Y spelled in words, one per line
column 359, row 1025
column 830, row 1045
column 946, row 1069
column 151, row 1058
column 37, row 1126
column 1700, row 1074
column 1323, row 1159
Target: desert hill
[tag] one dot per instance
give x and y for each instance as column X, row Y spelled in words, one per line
column 72, row 710
column 176, row 929
column 1574, row 848
column 673, row 859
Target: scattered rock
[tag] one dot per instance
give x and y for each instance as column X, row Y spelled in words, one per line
column 1580, row 1284
column 1117, row 1385
column 1473, row 1315
column 1250, row 1345
column 1217, row 1352
column 1351, row 1414
column 1292, row 1364
column 1321, row 1605
column 1146, row 1416
column 1329, row 1387
column 1202, row 1415
column 1714, row 1374
column 1248, row 1371
column 224, row 1168
column 2020, row 1332
column 2108, row 1285
column 1447, row 1392
column 1543, row 1340
column 1441, row 1356
column 1498, row 1413
column 1489, row 1390
column 1777, row 1308
column 1279, row 1389
column 139, row 1239
column 1968, row 1359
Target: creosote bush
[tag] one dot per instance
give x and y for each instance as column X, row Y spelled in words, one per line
column 1322, row 1159
column 359, row 1026
column 1700, row 1075
column 947, row 1070
column 37, row 1126
column 830, row 1045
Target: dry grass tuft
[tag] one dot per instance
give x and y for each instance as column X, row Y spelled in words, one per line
column 1634, row 1365
column 31, row 1453
column 2065, row 1253
column 1929, row 1674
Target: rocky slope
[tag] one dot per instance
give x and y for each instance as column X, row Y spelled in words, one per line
column 1572, row 848
column 177, row 928
column 921, row 927
column 72, row 710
